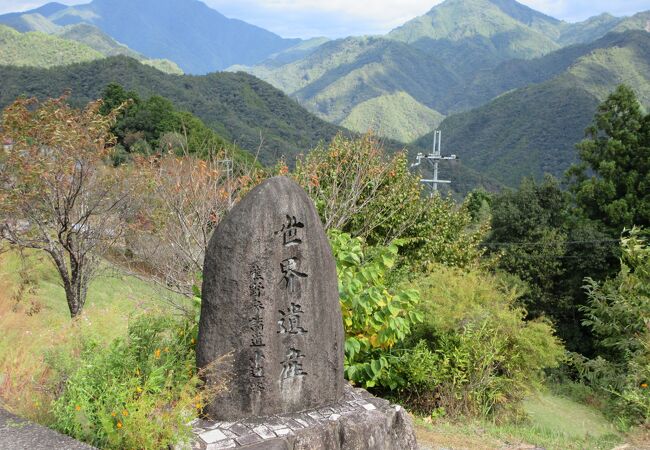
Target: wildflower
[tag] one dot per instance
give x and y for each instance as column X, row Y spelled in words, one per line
column 78, row 407
column 113, row 414
column 125, row 413
column 157, row 353
column 119, row 424
column 138, row 389
column 193, row 341
column 166, row 349
column 198, row 406
column 644, row 385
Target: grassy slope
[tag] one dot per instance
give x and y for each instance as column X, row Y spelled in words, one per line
column 241, row 108
column 27, row 340
column 41, row 50
column 396, row 115
column 555, row 423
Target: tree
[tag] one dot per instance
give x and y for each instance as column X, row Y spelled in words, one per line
column 181, row 200
column 540, row 238
column 359, row 189
column 612, row 183
column 56, row 194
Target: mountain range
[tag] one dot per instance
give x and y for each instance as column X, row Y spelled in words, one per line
column 429, row 63
column 511, row 88
column 188, row 32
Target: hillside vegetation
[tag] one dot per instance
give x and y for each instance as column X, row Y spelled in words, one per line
column 458, row 56
column 41, row 50
column 532, row 130
column 239, row 107
column 96, row 39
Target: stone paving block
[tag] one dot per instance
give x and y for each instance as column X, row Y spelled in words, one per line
column 212, row 436
column 228, row 443
column 264, row 432
column 239, row 429
column 248, row 439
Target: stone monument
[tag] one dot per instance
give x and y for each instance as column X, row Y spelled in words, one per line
column 270, row 300
column 270, row 297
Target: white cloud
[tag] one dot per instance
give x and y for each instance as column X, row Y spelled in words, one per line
column 339, row 18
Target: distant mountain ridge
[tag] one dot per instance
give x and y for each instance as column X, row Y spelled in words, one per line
column 67, row 45
column 459, row 55
column 199, row 39
column 532, row 130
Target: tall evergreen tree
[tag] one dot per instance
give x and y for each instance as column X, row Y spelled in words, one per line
column 612, row 183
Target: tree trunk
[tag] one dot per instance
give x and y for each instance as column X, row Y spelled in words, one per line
column 74, row 284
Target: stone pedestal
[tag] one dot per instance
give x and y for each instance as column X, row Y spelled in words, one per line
column 358, row 422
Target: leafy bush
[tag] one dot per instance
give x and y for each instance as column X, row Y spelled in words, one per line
column 474, row 354
column 375, row 318
column 361, row 190
column 139, row 392
column 618, row 313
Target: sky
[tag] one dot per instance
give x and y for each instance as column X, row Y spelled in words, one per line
column 340, row 18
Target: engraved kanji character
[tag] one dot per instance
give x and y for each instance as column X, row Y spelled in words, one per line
column 257, row 364
column 292, row 366
column 290, row 273
column 290, row 231
column 290, row 321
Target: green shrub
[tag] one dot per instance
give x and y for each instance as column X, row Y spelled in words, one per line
column 375, row 318
column 138, row 392
column 474, row 354
column 618, row 314
column 359, row 189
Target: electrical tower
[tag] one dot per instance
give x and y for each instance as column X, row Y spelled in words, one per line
column 434, row 159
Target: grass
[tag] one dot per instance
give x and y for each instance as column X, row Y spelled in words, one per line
column 554, row 422
column 36, row 327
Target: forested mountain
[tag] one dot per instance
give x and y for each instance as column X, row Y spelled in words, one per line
column 67, row 45
column 458, row 56
column 188, row 32
column 532, row 130
column 96, row 39
column 239, row 107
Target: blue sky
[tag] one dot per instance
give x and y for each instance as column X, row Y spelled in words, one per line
column 339, row 18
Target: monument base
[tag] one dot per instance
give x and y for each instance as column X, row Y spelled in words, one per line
column 358, row 422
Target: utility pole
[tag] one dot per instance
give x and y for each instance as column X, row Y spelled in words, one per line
column 434, row 159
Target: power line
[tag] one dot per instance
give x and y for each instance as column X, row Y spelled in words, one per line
column 543, row 244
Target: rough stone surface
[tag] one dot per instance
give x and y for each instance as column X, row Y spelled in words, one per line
column 20, row 434
column 270, row 299
column 358, row 421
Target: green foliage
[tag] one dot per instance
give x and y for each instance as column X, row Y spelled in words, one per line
column 155, row 123
column 619, row 315
column 617, row 152
column 359, row 189
column 396, row 116
column 376, row 319
column 138, row 392
column 538, row 237
column 474, row 354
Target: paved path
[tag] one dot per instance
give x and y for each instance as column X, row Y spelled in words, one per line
column 19, row 434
